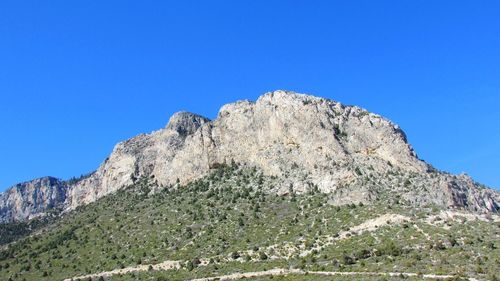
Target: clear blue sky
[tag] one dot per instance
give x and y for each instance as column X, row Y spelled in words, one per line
column 76, row 77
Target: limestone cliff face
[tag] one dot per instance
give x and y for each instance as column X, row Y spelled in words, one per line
column 148, row 155
column 26, row 200
column 305, row 141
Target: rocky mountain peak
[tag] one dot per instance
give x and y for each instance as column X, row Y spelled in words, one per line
column 306, row 142
column 284, row 97
column 29, row 199
column 186, row 123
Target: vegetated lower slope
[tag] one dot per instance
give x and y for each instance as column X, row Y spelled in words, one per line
column 227, row 222
column 15, row 230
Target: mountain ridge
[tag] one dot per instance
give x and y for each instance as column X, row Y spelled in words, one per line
column 305, row 141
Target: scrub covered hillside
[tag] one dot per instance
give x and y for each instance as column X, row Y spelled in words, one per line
column 229, row 222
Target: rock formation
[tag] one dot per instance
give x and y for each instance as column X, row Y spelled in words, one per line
column 304, row 141
column 29, row 199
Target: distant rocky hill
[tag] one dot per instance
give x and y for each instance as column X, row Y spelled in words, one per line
column 32, row 198
column 302, row 141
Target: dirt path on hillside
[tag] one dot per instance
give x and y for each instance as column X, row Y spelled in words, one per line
column 367, row 226
column 166, row 265
column 281, row 272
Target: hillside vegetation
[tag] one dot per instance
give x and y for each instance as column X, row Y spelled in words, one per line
column 227, row 222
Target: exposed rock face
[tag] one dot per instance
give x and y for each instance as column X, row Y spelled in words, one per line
column 305, row 141
column 26, row 200
column 148, row 155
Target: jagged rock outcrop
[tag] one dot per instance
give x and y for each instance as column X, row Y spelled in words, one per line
column 305, row 141
column 147, row 155
column 28, row 199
